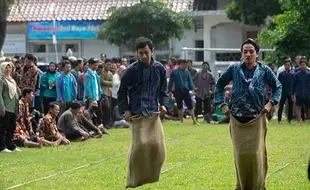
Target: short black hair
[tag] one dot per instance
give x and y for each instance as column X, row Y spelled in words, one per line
column 115, row 60
column 52, row 105
column 92, row 61
column 78, row 61
column 303, row 60
column 142, row 42
column 30, row 57
column 64, row 63
column 107, row 61
column 75, row 105
column 252, row 42
column 180, row 61
column 173, row 60
column 26, row 91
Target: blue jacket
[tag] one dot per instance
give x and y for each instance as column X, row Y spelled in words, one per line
column 89, row 86
column 60, row 87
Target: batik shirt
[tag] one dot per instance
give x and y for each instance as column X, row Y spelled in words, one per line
column 248, row 93
column 48, row 127
column 29, row 77
column 23, row 123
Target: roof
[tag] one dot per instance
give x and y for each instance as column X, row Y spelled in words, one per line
column 39, row 10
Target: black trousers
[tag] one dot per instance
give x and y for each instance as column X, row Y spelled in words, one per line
column 46, row 102
column 107, row 111
column 206, row 106
column 7, row 128
column 289, row 105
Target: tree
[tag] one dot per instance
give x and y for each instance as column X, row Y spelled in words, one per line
column 252, row 12
column 4, row 12
column 149, row 19
column 289, row 32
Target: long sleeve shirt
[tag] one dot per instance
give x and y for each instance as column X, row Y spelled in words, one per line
column 301, row 84
column 143, row 88
column 248, row 95
column 181, row 78
column 29, row 78
column 286, row 79
column 205, row 84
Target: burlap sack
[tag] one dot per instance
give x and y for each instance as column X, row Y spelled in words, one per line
column 147, row 152
column 250, row 152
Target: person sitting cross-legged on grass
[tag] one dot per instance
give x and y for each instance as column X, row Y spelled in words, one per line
column 48, row 128
column 24, row 135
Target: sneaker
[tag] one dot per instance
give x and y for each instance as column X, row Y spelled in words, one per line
column 16, row 150
column 5, row 151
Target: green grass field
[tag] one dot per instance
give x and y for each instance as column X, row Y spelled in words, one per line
column 198, row 157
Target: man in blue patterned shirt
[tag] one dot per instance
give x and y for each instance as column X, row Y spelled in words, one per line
column 247, row 109
column 142, row 90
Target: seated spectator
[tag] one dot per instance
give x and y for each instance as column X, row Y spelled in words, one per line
column 91, row 114
column 24, row 135
column 48, row 127
column 68, row 124
column 87, row 125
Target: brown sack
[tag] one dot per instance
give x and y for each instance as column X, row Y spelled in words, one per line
column 250, row 152
column 147, row 152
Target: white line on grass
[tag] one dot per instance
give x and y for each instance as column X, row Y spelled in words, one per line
column 87, row 165
column 286, row 165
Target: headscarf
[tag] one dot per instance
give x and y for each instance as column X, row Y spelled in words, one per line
column 9, row 79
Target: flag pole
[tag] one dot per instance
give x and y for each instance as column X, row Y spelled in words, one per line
column 54, row 28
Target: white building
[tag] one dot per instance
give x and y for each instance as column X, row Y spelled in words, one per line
column 213, row 29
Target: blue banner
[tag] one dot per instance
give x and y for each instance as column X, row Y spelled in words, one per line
column 65, row 30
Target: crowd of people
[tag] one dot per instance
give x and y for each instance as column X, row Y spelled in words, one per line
column 77, row 98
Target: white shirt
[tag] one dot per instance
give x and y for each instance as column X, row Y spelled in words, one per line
column 116, row 84
column 280, row 70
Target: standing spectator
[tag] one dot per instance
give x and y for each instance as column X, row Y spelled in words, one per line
column 66, row 87
column 183, row 85
column 80, row 80
column 92, row 88
column 172, row 62
column 8, row 107
column 205, row 83
column 48, row 86
column 106, row 79
column 78, row 67
column 116, row 84
column 190, row 68
column 301, row 89
column 286, row 79
column 29, row 74
column 16, row 74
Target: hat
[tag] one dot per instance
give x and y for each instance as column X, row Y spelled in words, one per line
column 251, row 41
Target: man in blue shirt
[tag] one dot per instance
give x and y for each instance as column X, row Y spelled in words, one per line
column 183, row 84
column 301, row 89
column 247, row 110
column 286, row 79
column 142, row 93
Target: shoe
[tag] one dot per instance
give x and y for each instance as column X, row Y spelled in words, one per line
column 17, row 150
column 5, row 151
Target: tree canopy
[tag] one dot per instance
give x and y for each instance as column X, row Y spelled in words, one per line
column 154, row 20
column 289, row 32
column 4, row 12
column 252, row 12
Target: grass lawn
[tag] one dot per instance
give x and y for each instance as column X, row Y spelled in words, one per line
column 198, row 157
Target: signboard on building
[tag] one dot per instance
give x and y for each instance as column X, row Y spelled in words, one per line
column 65, row 30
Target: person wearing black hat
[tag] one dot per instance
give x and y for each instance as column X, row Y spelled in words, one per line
column 247, row 111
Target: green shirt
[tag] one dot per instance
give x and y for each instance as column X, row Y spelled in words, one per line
column 68, row 97
column 51, row 92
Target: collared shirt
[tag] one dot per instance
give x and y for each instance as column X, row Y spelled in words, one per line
column 142, row 88
column 29, row 77
column 94, row 73
column 301, row 84
column 181, row 78
column 286, row 79
column 248, row 95
column 205, row 83
column 23, row 123
column 48, row 127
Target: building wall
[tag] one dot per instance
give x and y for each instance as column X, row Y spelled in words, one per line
column 227, row 35
column 93, row 48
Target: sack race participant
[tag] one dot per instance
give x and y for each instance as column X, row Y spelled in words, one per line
column 142, row 90
column 247, row 111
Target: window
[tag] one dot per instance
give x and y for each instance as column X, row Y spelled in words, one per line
column 251, row 34
column 39, row 48
column 51, row 48
column 199, row 55
column 73, row 47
